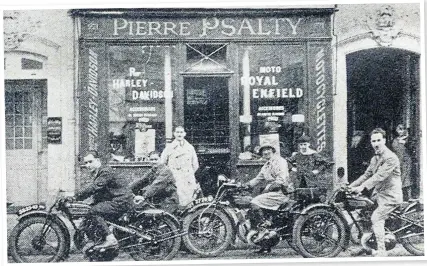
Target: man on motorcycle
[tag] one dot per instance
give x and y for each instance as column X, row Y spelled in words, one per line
column 383, row 175
column 158, row 184
column 111, row 198
column 275, row 173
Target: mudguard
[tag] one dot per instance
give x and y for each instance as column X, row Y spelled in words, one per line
column 54, row 218
column 225, row 208
column 337, row 211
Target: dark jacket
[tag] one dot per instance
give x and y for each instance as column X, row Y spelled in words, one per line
column 105, row 187
column 305, row 164
column 158, row 185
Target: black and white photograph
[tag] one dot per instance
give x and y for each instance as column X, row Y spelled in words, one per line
column 225, row 131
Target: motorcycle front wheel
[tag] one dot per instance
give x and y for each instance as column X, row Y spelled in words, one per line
column 319, row 233
column 413, row 239
column 163, row 239
column 38, row 240
column 208, row 232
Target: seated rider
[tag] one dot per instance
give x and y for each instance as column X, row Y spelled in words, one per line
column 111, row 198
column 158, row 185
column 308, row 164
column 275, row 173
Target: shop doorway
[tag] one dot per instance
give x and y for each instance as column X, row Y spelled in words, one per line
column 207, row 122
column 383, row 91
column 26, row 142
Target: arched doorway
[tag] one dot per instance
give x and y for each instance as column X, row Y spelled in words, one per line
column 382, row 91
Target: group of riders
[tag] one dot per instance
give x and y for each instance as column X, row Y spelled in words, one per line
column 113, row 196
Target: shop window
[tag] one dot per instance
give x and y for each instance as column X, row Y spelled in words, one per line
column 19, row 130
column 31, row 64
column 272, row 92
column 140, row 85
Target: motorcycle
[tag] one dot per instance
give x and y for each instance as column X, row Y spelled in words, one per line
column 313, row 233
column 213, row 226
column 42, row 235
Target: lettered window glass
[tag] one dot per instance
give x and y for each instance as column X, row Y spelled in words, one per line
column 272, row 93
column 141, row 81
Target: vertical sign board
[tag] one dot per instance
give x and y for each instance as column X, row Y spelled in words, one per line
column 320, row 111
column 93, row 99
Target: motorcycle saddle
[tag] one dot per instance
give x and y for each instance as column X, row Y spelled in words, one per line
column 288, row 206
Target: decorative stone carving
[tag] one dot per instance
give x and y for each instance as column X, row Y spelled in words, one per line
column 17, row 27
column 385, row 26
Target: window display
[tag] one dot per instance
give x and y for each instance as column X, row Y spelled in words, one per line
column 140, row 85
column 272, row 96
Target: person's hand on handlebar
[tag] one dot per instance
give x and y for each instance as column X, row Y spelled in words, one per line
column 356, row 190
column 138, row 200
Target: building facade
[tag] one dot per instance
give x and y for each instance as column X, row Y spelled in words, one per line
column 119, row 81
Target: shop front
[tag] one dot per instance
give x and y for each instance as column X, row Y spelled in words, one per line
column 235, row 79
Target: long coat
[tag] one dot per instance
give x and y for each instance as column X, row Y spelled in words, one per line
column 158, row 184
column 383, row 174
column 183, row 162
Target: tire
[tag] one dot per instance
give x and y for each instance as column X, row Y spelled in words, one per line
column 24, row 241
column 216, row 236
column 164, row 245
column 313, row 225
column 415, row 245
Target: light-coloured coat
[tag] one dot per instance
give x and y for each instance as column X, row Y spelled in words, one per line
column 383, row 174
column 274, row 172
column 181, row 158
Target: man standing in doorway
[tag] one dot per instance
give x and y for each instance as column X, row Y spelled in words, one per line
column 383, row 175
column 180, row 156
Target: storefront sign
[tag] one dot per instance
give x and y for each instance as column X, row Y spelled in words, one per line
column 208, row 27
column 321, row 97
column 153, row 112
column 93, row 100
column 54, row 130
column 268, row 84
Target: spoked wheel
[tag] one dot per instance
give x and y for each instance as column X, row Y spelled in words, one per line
column 37, row 240
column 413, row 239
column 319, row 233
column 163, row 242
column 209, row 232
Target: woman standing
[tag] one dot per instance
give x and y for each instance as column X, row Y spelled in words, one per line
column 180, row 156
column 399, row 145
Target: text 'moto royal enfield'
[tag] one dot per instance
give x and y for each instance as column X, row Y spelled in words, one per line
column 212, row 228
column 313, row 237
column 41, row 234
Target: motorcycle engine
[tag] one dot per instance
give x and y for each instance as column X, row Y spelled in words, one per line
column 369, row 241
column 269, row 239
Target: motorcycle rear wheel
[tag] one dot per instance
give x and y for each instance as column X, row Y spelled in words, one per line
column 415, row 244
column 165, row 241
column 313, row 229
column 208, row 232
column 27, row 245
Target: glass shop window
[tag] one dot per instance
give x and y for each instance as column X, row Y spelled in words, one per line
column 140, row 84
column 272, row 93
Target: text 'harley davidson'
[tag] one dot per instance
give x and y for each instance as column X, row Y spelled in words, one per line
column 41, row 234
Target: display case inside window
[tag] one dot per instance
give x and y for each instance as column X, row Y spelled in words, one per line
column 272, row 97
column 140, row 86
